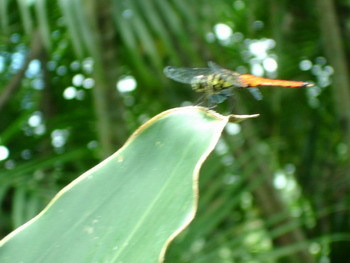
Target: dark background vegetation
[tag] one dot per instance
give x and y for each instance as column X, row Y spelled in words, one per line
column 276, row 189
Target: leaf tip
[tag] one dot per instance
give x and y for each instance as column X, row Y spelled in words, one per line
column 239, row 118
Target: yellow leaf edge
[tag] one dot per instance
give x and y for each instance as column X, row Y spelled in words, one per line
column 224, row 120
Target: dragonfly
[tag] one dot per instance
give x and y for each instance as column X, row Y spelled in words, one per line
column 217, row 82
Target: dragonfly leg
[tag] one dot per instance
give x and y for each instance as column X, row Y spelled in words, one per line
column 200, row 100
column 210, row 107
column 214, row 100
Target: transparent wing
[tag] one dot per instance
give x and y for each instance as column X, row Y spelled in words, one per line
column 225, row 92
column 216, row 99
column 256, row 93
column 219, row 97
column 185, row 75
column 215, row 67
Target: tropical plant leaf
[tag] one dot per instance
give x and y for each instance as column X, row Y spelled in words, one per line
column 129, row 207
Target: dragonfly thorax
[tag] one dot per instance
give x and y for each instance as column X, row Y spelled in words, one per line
column 212, row 83
column 198, row 83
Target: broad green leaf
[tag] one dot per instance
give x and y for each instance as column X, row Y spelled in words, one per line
column 129, row 207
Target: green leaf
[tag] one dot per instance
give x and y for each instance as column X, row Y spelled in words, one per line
column 4, row 17
column 43, row 22
column 68, row 9
column 24, row 9
column 129, row 207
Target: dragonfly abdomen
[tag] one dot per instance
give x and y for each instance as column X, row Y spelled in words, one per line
column 253, row 81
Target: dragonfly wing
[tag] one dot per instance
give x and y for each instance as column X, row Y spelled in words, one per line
column 225, row 92
column 219, row 97
column 256, row 93
column 216, row 99
column 185, row 75
column 215, row 67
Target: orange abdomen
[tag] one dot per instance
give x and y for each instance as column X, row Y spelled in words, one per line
column 253, row 81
